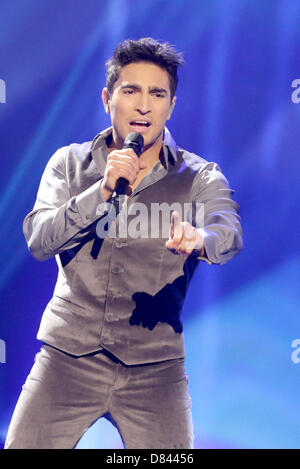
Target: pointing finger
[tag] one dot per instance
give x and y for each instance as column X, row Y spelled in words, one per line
column 176, row 227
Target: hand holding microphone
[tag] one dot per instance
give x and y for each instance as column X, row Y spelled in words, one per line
column 123, row 167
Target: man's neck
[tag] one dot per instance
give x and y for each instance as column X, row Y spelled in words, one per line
column 151, row 156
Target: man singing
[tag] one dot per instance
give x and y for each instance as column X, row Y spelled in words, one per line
column 112, row 340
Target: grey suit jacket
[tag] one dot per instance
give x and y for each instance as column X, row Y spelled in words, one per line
column 128, row 298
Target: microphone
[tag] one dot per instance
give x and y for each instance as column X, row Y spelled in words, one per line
column 135, row 141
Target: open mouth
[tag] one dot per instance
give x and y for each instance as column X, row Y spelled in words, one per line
column 140, row 123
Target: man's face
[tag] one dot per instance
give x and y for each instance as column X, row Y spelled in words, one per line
column 140, row 102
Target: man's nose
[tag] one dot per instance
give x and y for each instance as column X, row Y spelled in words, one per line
column 143, row 104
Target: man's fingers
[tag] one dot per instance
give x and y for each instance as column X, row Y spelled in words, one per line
column 117, row 169
column 176, row 232
column 176, row 226
column 129, row 159
column 188, row 239
column 183, row 236
column 121, row 163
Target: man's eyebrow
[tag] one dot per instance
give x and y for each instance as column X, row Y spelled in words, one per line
column 152, row 89
column 156, row 89
column 130, row 85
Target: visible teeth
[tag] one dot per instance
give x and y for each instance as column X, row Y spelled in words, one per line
column 140, row 122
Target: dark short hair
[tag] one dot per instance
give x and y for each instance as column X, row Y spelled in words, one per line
column 146, row 49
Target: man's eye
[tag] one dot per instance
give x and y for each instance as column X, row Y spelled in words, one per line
column 128, row 91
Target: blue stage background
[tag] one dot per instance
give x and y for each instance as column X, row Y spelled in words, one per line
column 236, row 105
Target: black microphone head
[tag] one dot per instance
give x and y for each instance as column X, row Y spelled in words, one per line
column 135, row 141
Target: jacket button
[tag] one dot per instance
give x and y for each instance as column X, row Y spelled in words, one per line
column 117, row 269
column 107, row 341
column 109, row 317
column 120, row 244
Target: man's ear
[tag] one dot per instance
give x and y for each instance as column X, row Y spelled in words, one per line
column 172, row 105
column 106, row 100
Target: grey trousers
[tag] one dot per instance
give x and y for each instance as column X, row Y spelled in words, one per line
column 64, row 395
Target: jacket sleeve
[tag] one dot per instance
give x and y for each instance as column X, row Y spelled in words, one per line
column 59, row 221
column 220, row 223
